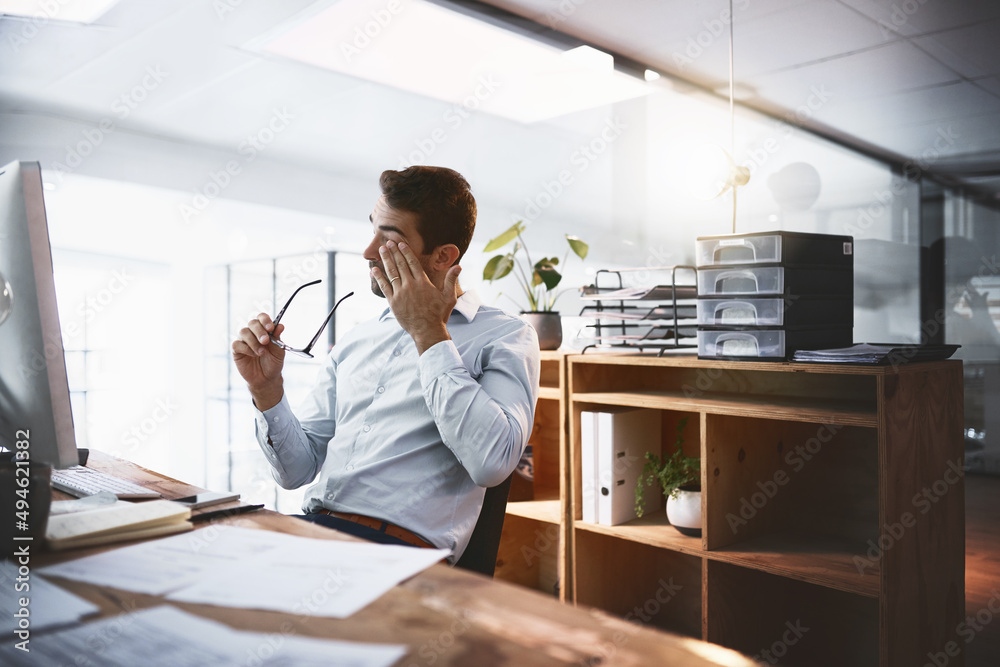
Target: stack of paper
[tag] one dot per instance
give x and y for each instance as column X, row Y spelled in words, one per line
column 213, row 566
column 115, row 523
column 877, row 353
column 656, row 293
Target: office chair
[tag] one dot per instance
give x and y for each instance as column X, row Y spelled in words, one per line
column 481, row 554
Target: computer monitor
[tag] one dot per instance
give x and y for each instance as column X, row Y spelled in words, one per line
column 34, row 391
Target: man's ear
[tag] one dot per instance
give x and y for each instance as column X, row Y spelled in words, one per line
column 444, row 256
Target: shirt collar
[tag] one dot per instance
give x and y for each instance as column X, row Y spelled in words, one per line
column 468, row 306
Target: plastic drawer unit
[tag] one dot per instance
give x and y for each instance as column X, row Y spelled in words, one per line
column 775, row 344
column 767, row 294
column 775, row 280
column 792, row 311
column 786, row 248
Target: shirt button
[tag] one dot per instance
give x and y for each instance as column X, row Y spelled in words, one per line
column 381, row 390
column 350, row 468
column 329, row 496
column 276, row 419
column 367, row 428
column 396, row 353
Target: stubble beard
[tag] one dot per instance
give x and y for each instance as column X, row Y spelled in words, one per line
column 376, row 290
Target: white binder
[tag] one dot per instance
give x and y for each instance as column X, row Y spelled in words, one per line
column 613, row 448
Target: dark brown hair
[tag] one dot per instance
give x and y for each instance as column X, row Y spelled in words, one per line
column 440, row 198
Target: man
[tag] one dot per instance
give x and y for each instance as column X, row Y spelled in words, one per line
column 417, row 411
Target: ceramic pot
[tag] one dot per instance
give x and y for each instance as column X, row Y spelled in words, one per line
column 684, row 510
column 548, row 325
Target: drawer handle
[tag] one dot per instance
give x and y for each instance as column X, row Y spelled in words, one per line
column 735, row 312
column 736, row 344
column 732, row 276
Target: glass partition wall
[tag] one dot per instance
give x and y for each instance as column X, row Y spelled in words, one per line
column 234, row 294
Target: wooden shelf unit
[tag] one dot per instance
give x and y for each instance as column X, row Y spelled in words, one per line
column 815, row 507
column 533, row 543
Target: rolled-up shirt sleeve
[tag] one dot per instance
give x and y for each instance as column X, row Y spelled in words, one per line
column 485, row 419
column 296, row 449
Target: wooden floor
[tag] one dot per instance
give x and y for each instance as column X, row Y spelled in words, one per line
column 982, row 571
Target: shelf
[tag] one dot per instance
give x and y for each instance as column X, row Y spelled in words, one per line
column 617, row 358
column 816, row 410
column 822, row 560
column 799, row 557
column 553, row 393
column 540, row 510
column 652, row 530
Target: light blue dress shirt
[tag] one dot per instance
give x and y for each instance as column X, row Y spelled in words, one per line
column 407, row 438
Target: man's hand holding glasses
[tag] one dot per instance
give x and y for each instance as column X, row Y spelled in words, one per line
column 259, row 352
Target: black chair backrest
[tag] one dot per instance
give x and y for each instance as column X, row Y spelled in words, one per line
column 481, row 554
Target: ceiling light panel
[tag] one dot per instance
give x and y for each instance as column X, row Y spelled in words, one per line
column 429, row 50
column 78, row 11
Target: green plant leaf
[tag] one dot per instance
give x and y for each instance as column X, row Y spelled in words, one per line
column 498, row 267
column 505, row 238
column 579, row 247
column 544, row 273
column 671, row 472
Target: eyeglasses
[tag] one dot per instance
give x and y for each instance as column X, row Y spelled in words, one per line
column 306, row 350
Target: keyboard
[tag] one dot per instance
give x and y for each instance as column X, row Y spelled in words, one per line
column 81, row 482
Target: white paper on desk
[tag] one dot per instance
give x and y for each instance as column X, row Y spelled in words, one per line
column 160, row 566
column 170, row 637
column 214, row 565
column 315, row 577
column 48, row 605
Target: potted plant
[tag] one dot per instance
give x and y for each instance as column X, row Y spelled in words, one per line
column 679, row 476
column 538, row 279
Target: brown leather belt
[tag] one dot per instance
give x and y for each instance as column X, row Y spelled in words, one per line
column 382, row 526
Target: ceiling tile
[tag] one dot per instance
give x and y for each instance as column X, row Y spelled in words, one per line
column 891, row 69
column 964, row 137
column 911, row 17
column 802, row 34
column 990, row 84
column 973, row 51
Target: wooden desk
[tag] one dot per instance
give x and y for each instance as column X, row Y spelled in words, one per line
column 446, row 616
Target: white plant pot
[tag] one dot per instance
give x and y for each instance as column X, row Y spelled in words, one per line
column 684, row 511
